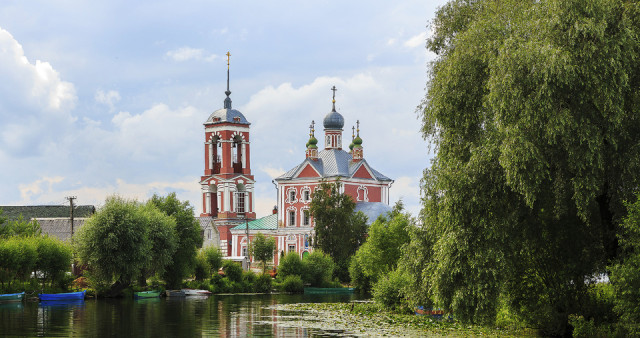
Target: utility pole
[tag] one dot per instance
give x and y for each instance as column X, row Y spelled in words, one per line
column 71, row 198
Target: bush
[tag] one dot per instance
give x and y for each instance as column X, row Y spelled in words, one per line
column 232, row 270
column 290, row 265
column 318, row 269
column 263, row 283
column 202, row 268
column 389, row 291
column 293, row 284
column 360, row 280
column 248, row 281
column 214, row 258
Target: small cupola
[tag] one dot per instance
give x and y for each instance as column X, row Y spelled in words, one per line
column 356, row 151
column 312, row 148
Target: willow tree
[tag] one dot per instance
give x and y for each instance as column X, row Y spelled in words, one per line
column 533, row 110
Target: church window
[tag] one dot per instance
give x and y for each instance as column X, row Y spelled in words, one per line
column 292, row 218
column 306, row 195
column 292, row 195
column 306, row 218
column 244, row 251
column 240, row 202
column 209, row 234
column 292, row 247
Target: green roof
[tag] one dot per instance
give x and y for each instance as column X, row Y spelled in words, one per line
column 46, row 211
column 265, row 223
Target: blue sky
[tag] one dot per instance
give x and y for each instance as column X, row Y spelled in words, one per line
column 109, row 97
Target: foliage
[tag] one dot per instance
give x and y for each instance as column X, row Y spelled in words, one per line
column 390, row 290
column 532, row 109
column 625, row 275
column 339, row 231
column 317, row 269
column 232, row 270
column 293, row 284
column 290, row 265
column 379, row 254
column 213, row 255
column 114, row 242
column 18, row 227
column 188, row 241
column 263, row 283
column 163, row 238
column 54, row 259
column 202, row 269
column 262, row 249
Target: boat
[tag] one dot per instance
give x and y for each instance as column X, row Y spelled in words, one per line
column 175, row 293
column 196, row 292
column 62, row 296
column 332, row 291
column 146, row 294
column 11, row 297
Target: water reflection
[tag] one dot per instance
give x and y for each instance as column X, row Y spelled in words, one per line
column 218, row 315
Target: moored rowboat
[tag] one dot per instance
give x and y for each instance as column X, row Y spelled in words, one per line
column 62, row 296
column 196, row 292
column 11, row 297
column 146, row 294
column 175, row 293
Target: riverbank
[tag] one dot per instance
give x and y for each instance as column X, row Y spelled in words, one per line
column 368, row 319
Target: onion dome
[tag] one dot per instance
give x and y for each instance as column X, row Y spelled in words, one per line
column 351, row 146
column 357, row 142
column 312, row 143
column 333, row 120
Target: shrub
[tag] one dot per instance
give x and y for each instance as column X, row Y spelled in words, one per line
column 248, row 280
column 263, row 283
column 360, row 280
column 293, row 284
column 232, row 270
column 389, row 290
column 290, row 264
column 214, row 258
column 318, row 269
column 202, row 268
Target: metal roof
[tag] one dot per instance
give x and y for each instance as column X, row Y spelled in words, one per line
column 333, row 163
column 227, row 115
column 333, row 120
column 265, row 223
column 45, row 211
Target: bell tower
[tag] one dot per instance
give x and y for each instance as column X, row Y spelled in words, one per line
column 227, row 184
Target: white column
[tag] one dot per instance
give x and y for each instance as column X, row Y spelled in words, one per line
column 227, row 200
column 219, row 188
column 211, row 159
column 234, row 239
column 244, row 155
column 208, row 203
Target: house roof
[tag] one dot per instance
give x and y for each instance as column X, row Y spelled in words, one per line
column 333, row 163
column 46, row 211
column 265, row 223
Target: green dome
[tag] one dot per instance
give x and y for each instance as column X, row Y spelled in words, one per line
column 357, row 141
column 351, row 146
column 313, row 140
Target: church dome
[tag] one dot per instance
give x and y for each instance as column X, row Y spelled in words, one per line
column 333, row 120
column 357, row 142
column 227, row 115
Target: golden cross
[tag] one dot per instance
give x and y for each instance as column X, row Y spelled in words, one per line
column 228, row 56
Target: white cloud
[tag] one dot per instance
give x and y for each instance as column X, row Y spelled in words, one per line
column 272, row 172
column 188, row 53
column 407, row 189
column 109, row 98
column 38, row 187
column 416, row 41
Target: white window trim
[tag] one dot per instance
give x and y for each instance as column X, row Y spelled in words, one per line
column 365, row 194
column 295, row 217
column 289, row 195
column 302, row 211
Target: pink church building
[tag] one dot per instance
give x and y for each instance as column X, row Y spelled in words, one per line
column 229, row 220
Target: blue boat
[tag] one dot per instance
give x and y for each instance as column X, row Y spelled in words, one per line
column 62, row 296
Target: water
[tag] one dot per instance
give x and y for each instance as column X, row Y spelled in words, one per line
column 218, row 315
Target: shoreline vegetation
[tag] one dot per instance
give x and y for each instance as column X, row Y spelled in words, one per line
column 366, row 318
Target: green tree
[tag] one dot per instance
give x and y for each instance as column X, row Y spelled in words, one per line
column 189, row 238
column 18, row 227
column 54, row 259
column 380, row 253
column 213, row 256
column 625, row 275
column 339, row 231
column 532, row 107
column 290, row 265
column 163, row 238
column 114, row 243
column 262, row 249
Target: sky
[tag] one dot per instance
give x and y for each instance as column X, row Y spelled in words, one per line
column 109, row 97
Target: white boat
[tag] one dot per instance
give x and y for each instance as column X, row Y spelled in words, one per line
column 196, row 292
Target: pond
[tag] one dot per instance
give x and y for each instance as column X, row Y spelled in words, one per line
column 218, row 315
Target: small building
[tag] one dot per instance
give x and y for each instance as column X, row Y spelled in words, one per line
column 54, row 220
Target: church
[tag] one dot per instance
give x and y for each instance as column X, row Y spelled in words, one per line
column 228, row 218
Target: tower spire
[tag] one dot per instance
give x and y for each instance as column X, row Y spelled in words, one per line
column 227, row 101
column 334, row 97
